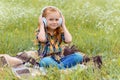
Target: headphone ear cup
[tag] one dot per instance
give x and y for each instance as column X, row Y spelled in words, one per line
column 44, row 21
column 60, row 21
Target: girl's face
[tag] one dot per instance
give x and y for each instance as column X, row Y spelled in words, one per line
column 53, row 20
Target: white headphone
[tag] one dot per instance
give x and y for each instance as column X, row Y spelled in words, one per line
column 44, row 19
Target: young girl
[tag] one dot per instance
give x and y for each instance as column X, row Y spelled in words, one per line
column 52, row 32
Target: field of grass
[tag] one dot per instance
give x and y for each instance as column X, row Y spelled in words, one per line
column 94, row 25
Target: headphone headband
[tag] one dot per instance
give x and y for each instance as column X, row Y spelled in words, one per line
column 50, row 7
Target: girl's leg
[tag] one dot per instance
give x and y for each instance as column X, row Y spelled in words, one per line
column 71, row 60
column 48, row 62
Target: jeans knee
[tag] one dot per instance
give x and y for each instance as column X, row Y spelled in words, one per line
column 43, row 62
column 78, row 56
column 47, row 62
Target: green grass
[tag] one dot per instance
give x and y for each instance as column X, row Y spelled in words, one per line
column 94, row 25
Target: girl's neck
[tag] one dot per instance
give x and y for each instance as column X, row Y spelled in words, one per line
column 50, row 31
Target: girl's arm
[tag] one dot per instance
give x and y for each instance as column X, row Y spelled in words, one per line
column 41, row 34
column 67, row 35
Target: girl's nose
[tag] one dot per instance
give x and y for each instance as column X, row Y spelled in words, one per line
column 55, row 21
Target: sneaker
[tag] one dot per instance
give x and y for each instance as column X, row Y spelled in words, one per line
column 3, row 62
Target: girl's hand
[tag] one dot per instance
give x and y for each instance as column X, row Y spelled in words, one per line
column 63, row 21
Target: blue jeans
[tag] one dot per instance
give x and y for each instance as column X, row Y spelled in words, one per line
column 65, row 62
